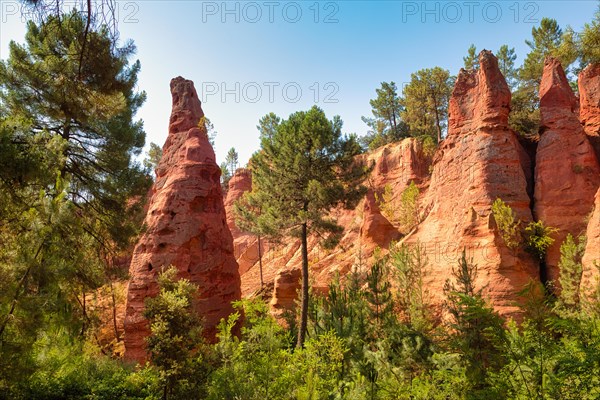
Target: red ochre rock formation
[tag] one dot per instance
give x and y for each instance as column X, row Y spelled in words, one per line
column 365, row 228
column 376, row 230
column 185, row 226
column 567, row 174
column 245, row 244
column 591, row 257
column 479, row 161
column 589, row 99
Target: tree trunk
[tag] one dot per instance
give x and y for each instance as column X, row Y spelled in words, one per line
column 304, row 311
column 260, row 266
column 437, row 120
column 114, row 311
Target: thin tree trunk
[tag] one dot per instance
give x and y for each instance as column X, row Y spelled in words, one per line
column 260, row 266
column 83, row 311
column 437, row 119
column 304, row 311
column 114, row 310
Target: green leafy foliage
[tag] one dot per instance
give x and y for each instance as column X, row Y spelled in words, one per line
column 426, row 99
column 175, row 331
column 477, row 327
column 471, row 60
column 508, row 224
column 409, row 210
column 537, row 238
column 590, row 41
column 571, row 253
column 153, row 157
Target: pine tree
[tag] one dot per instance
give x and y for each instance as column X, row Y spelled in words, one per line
column 232, row 160
column 386, row 124
column 571, row 253
column 306, row 168
column 90, row 108
column 477, row 327
column 267, row 126
column 589, row 41
column 471, row 61
column 506, row 63
column 426, row 99
column 153, row 157
column 379, row 296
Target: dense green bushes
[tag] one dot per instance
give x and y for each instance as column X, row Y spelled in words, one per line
column 365, row 341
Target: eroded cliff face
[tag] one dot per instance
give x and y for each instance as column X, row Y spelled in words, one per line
column 365, row 228
column 479, row 161
column 185, row 226
column 245, row 244
column 567, row 174
column 589, row 90
column 589, row 99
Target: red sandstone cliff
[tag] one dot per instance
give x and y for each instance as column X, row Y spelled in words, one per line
column 589, row 98
column 185, row 226
column 478, row 162
column 567, row 174
column 365, row 228
column 589, row 111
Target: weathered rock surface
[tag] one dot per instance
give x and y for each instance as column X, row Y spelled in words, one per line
column 567, row 174
column 375, row 230
column 245, row 244
column 240, row 183
column 480, row 160
column 285, row 291
column 589, row 99
column 365, row 228
column 591, row 257
column 185, row 226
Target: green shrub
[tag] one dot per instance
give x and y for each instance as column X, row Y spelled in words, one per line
column 538, row 239
column 508, row 224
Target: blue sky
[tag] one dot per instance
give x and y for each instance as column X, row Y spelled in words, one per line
column 250, row 58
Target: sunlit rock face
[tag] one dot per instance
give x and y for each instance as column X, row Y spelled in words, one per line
column 185, row 226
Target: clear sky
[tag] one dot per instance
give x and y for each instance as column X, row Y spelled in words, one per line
column 250, row 58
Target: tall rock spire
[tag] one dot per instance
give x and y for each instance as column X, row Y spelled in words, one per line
column 567, row 173
column 185, row 226
column 480, row 161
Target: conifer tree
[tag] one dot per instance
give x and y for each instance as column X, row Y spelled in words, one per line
column 300, row 173
column 386, row 126
column 477, row 327
column 471, row 61
column 589, row 41
column 506, row 62
column 426, row 99
column 90, row 110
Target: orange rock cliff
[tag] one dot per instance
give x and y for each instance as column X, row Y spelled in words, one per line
column 557, row 180
column 185, row 226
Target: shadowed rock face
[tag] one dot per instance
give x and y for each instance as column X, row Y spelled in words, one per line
column 245, row 244
column 185, row 226
column 589, row 111
column 567, row 173
column 589, row 98
column 591, row 257
column 480, row 160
